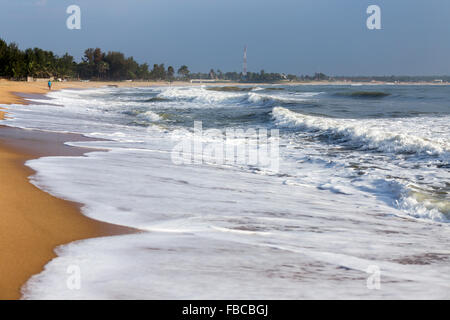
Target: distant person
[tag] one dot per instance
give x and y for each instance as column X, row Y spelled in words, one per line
column 49, row 85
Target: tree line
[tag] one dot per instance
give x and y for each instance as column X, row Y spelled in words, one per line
column 252, row 77
column 113, row 65
column 95, row 65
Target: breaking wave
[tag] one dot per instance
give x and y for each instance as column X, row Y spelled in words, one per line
column 389, row 136
column 217, row 96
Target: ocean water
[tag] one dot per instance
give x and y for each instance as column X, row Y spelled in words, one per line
column 362, row 180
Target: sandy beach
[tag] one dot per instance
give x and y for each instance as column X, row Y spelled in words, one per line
column 34, row 222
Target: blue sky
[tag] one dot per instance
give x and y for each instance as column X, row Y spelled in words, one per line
column 295, row 36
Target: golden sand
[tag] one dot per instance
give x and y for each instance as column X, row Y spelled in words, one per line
column 32, row 222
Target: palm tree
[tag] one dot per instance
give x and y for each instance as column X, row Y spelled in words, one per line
column 102, row 68
column 170, row 73
column 184, row 71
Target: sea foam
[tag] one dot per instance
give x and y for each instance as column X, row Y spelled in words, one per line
column 222, row 232
column 396, row 136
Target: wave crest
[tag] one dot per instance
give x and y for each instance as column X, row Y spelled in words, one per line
column 364, row 134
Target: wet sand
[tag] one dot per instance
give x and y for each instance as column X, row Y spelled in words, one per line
column 32, row 222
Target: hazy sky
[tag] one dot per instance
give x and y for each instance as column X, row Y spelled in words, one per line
column 295, row 36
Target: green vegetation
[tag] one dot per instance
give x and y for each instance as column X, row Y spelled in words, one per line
column 95, row 65
column 251, row 77
column 98, row 65
column 184, row 72
column 17, row 64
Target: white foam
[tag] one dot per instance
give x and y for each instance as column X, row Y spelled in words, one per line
column 150, row 115
column 297, row 97
column 217, row 232
column 436, row 211
column 398, row 136
column 200, row 95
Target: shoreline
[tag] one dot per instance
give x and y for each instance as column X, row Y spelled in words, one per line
column 31, row 230
column 34, row 222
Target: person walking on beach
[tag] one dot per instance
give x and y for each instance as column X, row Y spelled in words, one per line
column 49, row 84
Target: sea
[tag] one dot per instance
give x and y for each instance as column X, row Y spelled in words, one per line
column 351, row 201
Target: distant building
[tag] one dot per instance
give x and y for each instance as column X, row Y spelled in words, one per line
column 31, row 79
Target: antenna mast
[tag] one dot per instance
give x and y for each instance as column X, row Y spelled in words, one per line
column 244, row 73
